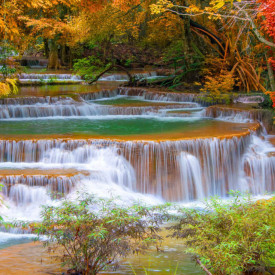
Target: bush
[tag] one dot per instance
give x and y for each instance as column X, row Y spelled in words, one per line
column 232, row 239
column 93, row 234
column 218, row 89
column 267, row 103
column 88, row 66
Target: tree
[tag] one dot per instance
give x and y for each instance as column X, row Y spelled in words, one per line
column 8, row 29
column 48, row 20
column 93, row 234
column 251, row 16
column 235, row 10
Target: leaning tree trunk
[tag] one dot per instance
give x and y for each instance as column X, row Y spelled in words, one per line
column 109, row 68
column 54, row 62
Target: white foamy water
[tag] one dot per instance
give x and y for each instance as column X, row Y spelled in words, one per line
column 32, row 77
column 124, row 77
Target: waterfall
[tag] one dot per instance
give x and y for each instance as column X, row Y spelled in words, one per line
column 40, row 171
column 170, row 170
column 79, row 110
column 33, row 77
column 41, row 107
column 259, row 166
column 48, row 110
column 59, row 184
column 143, row 93
column 191, row 177
column 124, row 77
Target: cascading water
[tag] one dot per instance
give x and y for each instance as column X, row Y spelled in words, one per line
column 182, row 170
column 259, row 166
column 168, row 170
column 124, row 77
column 191, row 176
column 41, row 107
column 145, row 94
column 59, row 184
column 33, row 77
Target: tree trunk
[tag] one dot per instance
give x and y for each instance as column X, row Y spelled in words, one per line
column 131, row 80
column 70, row 58
column 46, row 48
column 63, row 54
column 54, row 62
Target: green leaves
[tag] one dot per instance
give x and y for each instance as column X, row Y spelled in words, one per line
column 94, row 233
column 231, row 238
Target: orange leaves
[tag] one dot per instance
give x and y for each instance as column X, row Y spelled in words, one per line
column 47, row 18
column 272, row 96
column 97, row 5
column 8, row 20
column 48, row 27
column 92, row 5
column 125, row 5
column 193, row 9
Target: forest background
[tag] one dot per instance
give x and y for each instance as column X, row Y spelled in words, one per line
column 217, row 46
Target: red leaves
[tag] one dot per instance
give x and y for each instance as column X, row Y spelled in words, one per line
column 272, row 62
column 267, row 10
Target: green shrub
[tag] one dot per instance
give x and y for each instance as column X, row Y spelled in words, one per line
column 88, row 66
column 93, row 234
column 232, row 239
column 267, row 103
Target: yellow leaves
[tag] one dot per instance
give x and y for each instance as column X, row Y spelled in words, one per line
column 13, row 85
column 8, row 87
column 161, row 6
column 219, row 4
column 193, row 9
column 221, row 83
column 4, row 89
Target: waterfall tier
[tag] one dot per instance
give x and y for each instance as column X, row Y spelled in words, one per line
column 124, row 77
column 181, row 170
column 69, row 108
column 33, row 78
column 146, row 94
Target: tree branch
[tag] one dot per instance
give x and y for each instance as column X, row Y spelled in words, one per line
column 234, row 17
column 109, row 69
column 203, row 267
column 255, row 30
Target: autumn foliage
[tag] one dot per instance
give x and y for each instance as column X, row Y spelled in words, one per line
column 267, row 11
column 233, row 31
